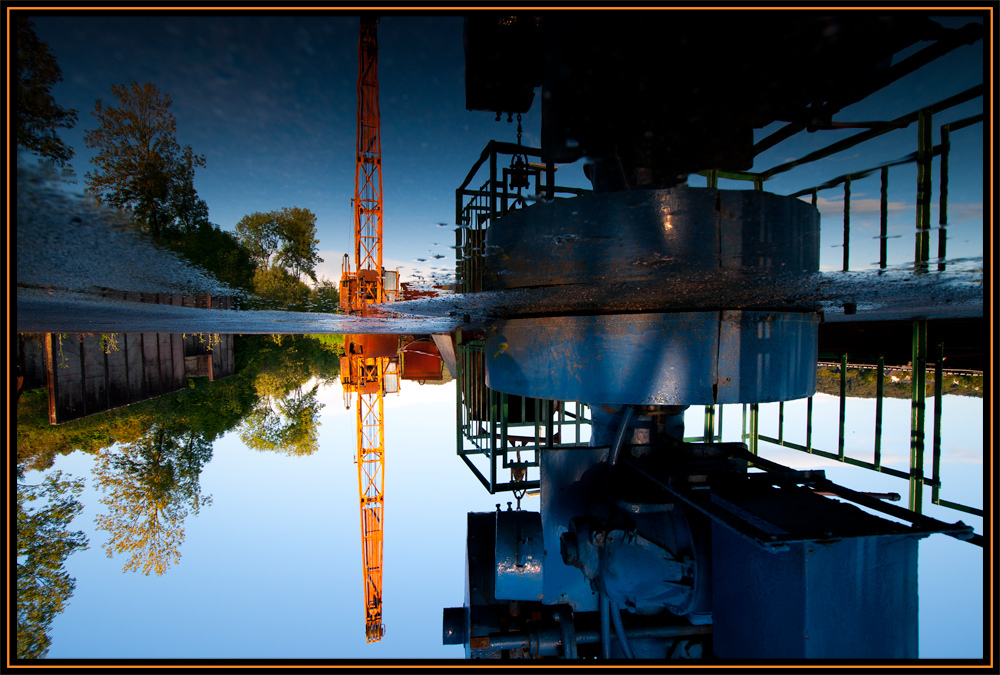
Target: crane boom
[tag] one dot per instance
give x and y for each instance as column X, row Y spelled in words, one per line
column 365, row 285
column 368, row 375
column 371, row 468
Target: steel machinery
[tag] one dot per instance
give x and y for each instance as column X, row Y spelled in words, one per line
column 646, row 546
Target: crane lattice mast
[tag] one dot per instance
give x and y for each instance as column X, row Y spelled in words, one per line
column 371, row 468
column 365, row 285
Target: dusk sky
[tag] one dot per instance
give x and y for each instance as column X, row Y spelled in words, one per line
column 271, row 103
column 272, row 569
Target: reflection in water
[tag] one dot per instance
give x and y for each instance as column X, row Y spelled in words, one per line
column 150, row 487
column 151, row 446
column 614, row 311
column 44, row 542
column 372, row 366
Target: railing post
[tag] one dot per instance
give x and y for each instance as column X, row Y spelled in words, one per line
column 879, row 394
column 883, row 219
column 843, row 405
column 809, row 424
column 936, row 451
column 917, row 407
column 943, row 208
column 493, row 182
column 925, row 153
column 847, row 222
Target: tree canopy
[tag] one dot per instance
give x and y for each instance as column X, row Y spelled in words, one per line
column 44, row 542
column 37, row 115
column 150, row 487
column 284, row 238
column 140, row 167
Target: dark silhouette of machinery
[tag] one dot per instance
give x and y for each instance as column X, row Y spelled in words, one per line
column 647, row 546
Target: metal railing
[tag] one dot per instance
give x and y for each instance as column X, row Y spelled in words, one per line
column 504, row 432
column 923, row 156
column 915, row 473
column 476, row 208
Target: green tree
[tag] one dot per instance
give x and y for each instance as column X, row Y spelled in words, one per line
column 298, row 254
column 214, row 250
column 150, row 487
column 325, row 296
column 190, row 210
column 280, row 290
column 140, row 167
column 285, row 416
column 286, row 425
column 284, row 238
column 44, row 542
column 37, row 115
column 258, row 234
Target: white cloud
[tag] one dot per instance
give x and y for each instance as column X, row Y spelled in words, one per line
column 836, row 206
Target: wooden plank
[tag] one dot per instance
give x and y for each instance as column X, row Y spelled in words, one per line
column 151, row 365
column 95, row 384
column 177, row 360
column 230, row 361
column 33, row 367
column 68, row 375
column 117, row 364
column 135, row 367
column 167, row 382
column 196, row 366
column 218, row 359
column 50, row 376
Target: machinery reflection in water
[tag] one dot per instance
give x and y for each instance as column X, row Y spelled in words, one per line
column 682, row 546
column 648, row 544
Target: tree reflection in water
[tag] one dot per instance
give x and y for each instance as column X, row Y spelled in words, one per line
column 148, row 461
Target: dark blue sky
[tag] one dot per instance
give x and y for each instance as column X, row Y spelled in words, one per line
column 270, row 101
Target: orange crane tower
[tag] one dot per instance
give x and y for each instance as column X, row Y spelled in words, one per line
column 365, row 285
column 369, row 369
column 364, row 370
column 366, row 376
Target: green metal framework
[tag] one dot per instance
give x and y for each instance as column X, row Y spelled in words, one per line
column 476, row 208
column 498, row 432
column 915, row 474
column 922, row 157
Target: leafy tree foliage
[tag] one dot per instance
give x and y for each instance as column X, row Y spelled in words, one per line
column 298, row 253
column 139, row 166
column 277, row 289
column 150, row 488
column 149, row 455
column 214, row 250
column 285, row 417
column 286, row 425
column 37, row 114
column 258, row 234
column 44, row 542
column 285, row 238
column 325, row 297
